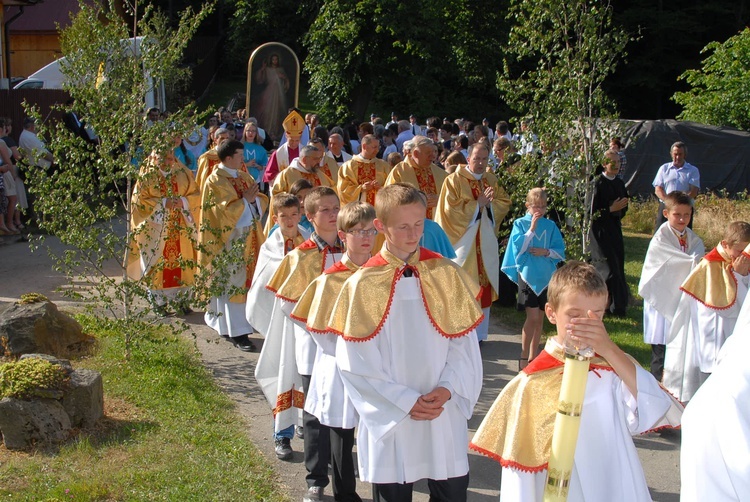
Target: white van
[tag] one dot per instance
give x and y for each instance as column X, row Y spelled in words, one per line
column 52, row 77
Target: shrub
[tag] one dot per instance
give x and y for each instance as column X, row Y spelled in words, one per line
column 30, row 377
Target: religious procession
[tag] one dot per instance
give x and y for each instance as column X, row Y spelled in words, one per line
column 370, row 276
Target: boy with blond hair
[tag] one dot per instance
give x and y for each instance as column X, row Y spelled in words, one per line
column 712, row 296
column 622, row 399
column 672, row 253
column 286, row 362
column 327, row 399
column 412, row 367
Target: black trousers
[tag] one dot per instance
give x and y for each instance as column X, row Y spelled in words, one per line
column 445, row 490
column 317, row 445
column 344, row 479
column 657, row 361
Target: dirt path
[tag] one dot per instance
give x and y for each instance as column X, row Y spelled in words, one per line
column 22, row 271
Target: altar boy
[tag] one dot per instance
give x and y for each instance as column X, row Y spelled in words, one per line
column 411, row 366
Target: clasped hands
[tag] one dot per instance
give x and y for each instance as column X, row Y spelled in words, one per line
column 430, row 406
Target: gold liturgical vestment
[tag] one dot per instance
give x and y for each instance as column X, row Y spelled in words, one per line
column 287, row 178
column 163, row 241
column 517, row 431
column 428, row 179
column 457, row 210
column 360, row 317
column 223, row 205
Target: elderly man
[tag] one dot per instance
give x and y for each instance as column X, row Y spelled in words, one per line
column 294, row 125
column 32, row 149
column 471, row 207
column 418, row 170
column 676, row 175
column 336, row 149
column 306, row 166
column 365, row 174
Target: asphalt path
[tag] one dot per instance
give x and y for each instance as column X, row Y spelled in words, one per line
column 23, row 271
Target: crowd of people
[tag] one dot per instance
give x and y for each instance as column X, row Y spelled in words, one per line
column 353, row 248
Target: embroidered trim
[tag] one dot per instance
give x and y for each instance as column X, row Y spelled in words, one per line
column 508, row 463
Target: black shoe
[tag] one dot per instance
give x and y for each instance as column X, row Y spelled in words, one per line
column 243, row 343
column 299, row 432
column 283, row 449
column 314, row 494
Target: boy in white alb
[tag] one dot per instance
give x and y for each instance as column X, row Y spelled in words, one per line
column 411, row 366
column 326, row 398
column 260, row 301
column 672, row 253
column 621, row 399
column 286, row 362
column 711, row 300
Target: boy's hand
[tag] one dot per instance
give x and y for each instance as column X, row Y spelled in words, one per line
column 590, row 331
column 539, row 251
column 535, row 218
column 741, row 265
column 430, row 406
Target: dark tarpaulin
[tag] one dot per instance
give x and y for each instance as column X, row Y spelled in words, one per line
column 721, row 154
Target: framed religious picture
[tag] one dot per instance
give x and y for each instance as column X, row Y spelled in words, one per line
column 272, row 86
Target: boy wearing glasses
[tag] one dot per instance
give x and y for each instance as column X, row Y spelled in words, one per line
column 286, row 361
column 327, row 400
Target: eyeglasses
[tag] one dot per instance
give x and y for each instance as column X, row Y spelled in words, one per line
column 371, row 232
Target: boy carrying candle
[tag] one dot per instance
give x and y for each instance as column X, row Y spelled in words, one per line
column 621, row 399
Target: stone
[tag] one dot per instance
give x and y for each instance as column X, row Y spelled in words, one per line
column 84, row 400
column 25, row 423
column 64, row 363
column 41, row 327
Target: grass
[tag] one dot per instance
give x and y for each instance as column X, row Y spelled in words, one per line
column 169, row 434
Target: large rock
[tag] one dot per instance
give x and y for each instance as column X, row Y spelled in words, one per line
column 25, row 423
column 84, row 400
column 40, row 327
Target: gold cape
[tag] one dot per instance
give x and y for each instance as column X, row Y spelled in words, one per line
column 284, row 182
column 517, row 431
column 222, row 209
column 356, row 171
column 457, row 206
column 297, row 270
column 206, row 165
column 151, row 187
column 712, row 282
column 365, row 299
column 419, row 177
column 315, row 305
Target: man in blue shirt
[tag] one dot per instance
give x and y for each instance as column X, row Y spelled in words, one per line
column 676, row 175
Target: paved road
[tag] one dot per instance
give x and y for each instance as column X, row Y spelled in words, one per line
column 22, row 271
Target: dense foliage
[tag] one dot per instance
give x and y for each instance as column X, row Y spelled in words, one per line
column 719, row 91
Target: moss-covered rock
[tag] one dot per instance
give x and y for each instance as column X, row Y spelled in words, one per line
column 30, row 378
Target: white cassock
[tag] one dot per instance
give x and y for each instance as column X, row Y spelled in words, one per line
column 665, row 267
column 697, row 335
column 385, row 376
column 606, row 465
column 259, row 305
column 288, row 352
column 327, row 398
column 715, row 451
